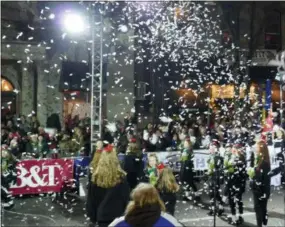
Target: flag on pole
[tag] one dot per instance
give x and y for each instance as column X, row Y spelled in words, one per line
column 268, row 95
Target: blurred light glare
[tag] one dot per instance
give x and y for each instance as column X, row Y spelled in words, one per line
column 51, row 16
column 74, row 23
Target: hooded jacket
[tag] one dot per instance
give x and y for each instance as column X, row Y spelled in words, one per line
column 146, row 217
column 260, row 180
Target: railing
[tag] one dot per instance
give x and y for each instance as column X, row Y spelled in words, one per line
column 260, row 57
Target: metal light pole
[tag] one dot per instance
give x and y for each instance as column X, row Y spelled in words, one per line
column 96, row 26
column 74, row 23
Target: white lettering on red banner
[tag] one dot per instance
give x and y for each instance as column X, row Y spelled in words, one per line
column 42, row 176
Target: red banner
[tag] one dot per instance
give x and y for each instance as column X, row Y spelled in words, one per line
column 42, row 176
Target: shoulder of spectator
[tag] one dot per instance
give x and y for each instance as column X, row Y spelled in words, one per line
column 171, row 219
column 117, row 221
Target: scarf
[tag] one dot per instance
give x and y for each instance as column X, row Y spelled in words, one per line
column 145, row 216
column 152, row 173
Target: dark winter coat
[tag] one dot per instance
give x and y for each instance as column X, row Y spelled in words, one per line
column 260, row 184
column 169, row 199
column 237, row 179
column 161, row 144
column 34, row 127
column 108, row 137
column 134, row 166
column 187, row 168
column 215, row 162
column 106, row 204
column 122, row 143
column 53, row 121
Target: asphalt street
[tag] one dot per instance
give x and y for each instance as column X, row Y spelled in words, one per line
column 43, row 211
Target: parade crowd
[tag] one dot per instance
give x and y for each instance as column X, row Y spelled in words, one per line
column 146, row 193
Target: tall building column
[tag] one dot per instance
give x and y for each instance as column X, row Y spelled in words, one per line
column 42, row 92
column 120, row 79
column 55, row 97
column 27, row 89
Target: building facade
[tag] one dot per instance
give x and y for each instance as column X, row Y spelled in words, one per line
column 252, row 33
column 32, row 74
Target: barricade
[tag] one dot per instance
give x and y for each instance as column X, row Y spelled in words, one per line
column 51, row 175
column 42, row 176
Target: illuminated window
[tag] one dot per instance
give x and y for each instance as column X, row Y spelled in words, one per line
column 6, row 85
column 222, row 91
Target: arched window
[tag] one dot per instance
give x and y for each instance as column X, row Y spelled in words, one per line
column 6, row 85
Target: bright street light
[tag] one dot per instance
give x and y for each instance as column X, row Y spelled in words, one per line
column 74, row 23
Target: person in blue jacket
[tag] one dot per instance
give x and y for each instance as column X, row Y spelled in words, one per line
column 145, row 210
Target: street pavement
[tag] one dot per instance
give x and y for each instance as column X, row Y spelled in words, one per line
column 43, row 211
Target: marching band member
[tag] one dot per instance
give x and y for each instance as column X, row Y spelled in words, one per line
column 153, row 169
column 228, row 169
column 167, row 188
column 260, row 183
column 187, row 169
column 236, row 167
column 109, row 191
column 133, row 163
column 215, row 166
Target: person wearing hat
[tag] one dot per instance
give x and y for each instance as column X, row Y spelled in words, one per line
column 215, row 166
column 236, row 170
column 133, row 163
column 187, row 169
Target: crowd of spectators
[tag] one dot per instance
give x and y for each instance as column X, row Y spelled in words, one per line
column 26, row 137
